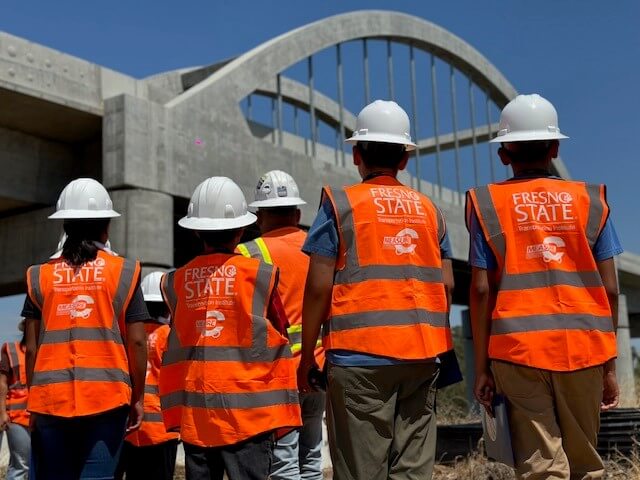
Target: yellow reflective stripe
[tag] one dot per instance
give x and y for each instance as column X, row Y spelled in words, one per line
column 295, row 329
column 264, row 250
column 244, row 250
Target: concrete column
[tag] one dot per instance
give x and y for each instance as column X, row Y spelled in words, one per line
column 624, row 362
column 469, row 363
column 145, row 230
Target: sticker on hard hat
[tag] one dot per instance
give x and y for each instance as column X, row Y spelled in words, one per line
column 282, row 191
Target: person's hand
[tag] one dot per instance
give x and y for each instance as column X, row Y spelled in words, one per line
column 32, row 421
column 303, row 375
column 4, row 421
column 610, row 391
column 484, row 389
column 135, row 417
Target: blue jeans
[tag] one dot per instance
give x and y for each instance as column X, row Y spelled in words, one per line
column 19, row 441
column 298, row 455
column 80, row 448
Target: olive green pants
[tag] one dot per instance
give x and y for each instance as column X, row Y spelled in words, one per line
column 554, row 418
column 381, row 421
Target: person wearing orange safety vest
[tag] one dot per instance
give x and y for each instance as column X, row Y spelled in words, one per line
column 85, row 342
column 297, row 455
column 14, row 418
column 227, row 382
column 543, row 299
column 380, row 282
column 150, row 451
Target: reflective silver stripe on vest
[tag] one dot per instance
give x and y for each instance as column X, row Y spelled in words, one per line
column 550, row 278
column 82, row 334
column 15, row 365
column 224, row 354
column 229, row 400
column 124, row 286
column 151, row 389
column 80, row 374
column 386, row 318
column 596, row 209
column 36, row 290
column 389, row 272
column 257, row 352
column 169, row 290
column 490, row 219
column 254, row 250
column 534, row 323
column 344, row 215
column 153, row 417
column 17, row 406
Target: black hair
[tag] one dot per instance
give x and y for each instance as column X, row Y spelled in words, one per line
column 381, row 155
column 528, row 152
column 218, row 239
column 281, row 211
column 79, row 248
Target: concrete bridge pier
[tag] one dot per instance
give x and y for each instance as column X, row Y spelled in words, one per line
column 145, row 230
column 624, row 362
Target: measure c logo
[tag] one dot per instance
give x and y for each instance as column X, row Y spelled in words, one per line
column 402, row 242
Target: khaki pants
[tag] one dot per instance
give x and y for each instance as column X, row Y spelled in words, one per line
column 554, row 419
column 381, row 421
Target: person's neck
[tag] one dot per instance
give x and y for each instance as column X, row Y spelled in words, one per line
column 271, row 226
column 369, row 174
column 209, row 250
column 531, row 169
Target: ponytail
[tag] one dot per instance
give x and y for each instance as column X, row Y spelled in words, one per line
column 79, row 247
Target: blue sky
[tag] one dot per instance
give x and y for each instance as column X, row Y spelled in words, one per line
column 583, row 55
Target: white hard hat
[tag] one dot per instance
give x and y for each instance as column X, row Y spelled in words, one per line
column 84, row 198
column 383, row 121
column 528, row 118
column 217, row 204
column 277, row 189
column 150, row 286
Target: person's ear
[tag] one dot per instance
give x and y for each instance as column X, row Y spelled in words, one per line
column 357, row 158
column 504, row 155
column 403, row 163
column 554, row 148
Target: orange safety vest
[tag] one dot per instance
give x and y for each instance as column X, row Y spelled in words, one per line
column 81, row 365
column 551, row 309
column 18, row 391
column 283, row 247
column 227, row 374
column 388, row 297
column 152, row 430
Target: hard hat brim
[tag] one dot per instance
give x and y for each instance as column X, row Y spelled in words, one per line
column 83, row 214
column 214, row 224
column 278, row 202
column 382, row 138
column 527, row 137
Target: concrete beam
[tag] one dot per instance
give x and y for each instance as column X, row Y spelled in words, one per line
column 36, row 170
column 624, row 362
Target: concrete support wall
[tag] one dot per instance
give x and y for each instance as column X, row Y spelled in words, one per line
column 25, row 240
column 145, row 231
column 624, row 363
column 35, row 170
